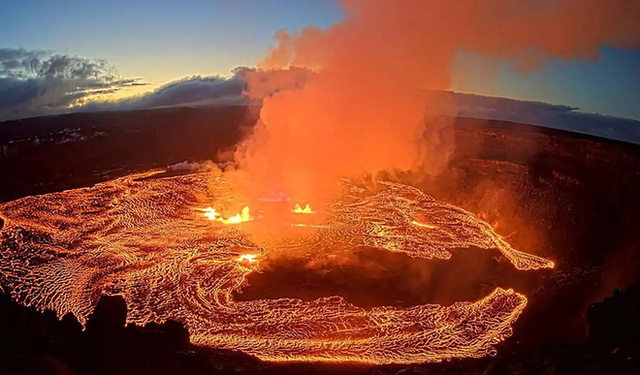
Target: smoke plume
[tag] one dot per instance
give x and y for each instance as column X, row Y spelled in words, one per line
column 361, row 112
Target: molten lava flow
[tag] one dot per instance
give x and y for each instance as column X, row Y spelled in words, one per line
column 300, row 225
column 211, row 213
column 422, row 225
column 299, row 210
column 251, row 258
column 141, row 238
column 243, row 216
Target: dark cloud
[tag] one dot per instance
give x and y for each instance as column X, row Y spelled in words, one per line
column 39, row 82
column 212, row 90
column 188, row 91
column 233, row 90
column 537, row 113
column 35, row 83
column 18, row 62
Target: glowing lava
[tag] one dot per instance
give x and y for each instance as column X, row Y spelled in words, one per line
column 300, row 225
column 299, row 210
column 423, row 225
column 251, row 258
column 141, row 238
column 244, row 216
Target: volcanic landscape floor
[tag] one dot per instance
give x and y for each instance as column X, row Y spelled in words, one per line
column 237, row 286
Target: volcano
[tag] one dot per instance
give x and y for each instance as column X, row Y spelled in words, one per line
column 549, row 194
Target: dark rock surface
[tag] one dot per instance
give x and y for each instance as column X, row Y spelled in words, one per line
column 614, row 324
column 54, row 153
column 33, row 342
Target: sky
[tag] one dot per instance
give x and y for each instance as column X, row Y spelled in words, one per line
column 161, row 41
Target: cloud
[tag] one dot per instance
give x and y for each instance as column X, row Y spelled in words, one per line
column 195, row 90
column 40, row 82
column 37, row 82
column 34, row 83
column 536, row 113
column 211, row 90
column 234, row 90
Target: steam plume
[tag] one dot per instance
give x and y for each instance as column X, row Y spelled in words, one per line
column 360, row 113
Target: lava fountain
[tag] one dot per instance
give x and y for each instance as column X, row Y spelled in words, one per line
column 151, row 240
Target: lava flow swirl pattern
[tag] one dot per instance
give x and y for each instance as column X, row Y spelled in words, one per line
column 147, row 239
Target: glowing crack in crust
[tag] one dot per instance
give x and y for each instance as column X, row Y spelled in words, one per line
column 148, row 240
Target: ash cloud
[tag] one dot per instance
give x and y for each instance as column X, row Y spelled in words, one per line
column 39, row 82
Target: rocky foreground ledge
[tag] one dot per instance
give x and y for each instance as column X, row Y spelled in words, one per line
column 33, row 342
